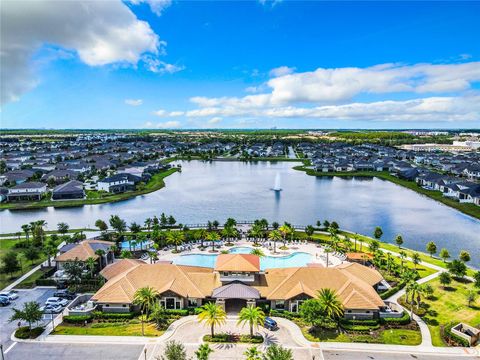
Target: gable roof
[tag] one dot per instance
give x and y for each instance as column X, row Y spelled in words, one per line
column 236, row 290
column 119, row 267
column 68, row 187
column 238, row 262
column 84, row 250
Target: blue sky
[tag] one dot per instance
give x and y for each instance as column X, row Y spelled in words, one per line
column 162, row 64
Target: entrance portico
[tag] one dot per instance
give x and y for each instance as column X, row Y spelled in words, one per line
column 235, row 296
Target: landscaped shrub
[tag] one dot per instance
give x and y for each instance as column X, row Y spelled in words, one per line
column 233, row 338
column 77, row 319
column 25, row 333
column 45, row 282
column 366, row 322
column 107, row 324
column 285, row 314
column 349, row 327
column 196, row 311
column 386, row 294
column 404, row 320
column 111, row 316
column 179, row 312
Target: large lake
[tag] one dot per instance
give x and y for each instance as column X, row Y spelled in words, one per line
column 218, row 190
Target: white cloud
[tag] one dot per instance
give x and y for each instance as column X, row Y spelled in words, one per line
column 168, row 125
column 157, row 6
column 134, row 102
column 161, row 67
column 176, row 113
column 281, row 71
column 214, row 120
column 424, row 109
column 100, row 32
column 165, row 113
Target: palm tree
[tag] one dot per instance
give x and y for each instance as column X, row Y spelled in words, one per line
column 445, row 279
column 212, row 314
column 416, row 259
column 213, row 237
column 275, row 236
column 332, row 306
column 146, row 298
column 309, row 230
column 229, row 232
column 50, row 250
column 327, row 251
column 256, row 232
column 176, row 238
column 390, row 262
column 402, row 256
column 252, row 353
column 412, row 289
column 285, row 230
column 471, row 297
column 26, row 229
column 100, row 253
column 148, row 223
column 90, row 262
column 62, row 228
column 258, row 252
column 153, row 256
column 253, row 315
column 135, row 229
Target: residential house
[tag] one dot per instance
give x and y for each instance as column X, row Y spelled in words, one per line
column 118, row 183
column 68, row 191
column 86, row 249
column 27, row 191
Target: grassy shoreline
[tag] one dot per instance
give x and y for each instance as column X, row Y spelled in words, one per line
column 155, row 183
column 468, row 209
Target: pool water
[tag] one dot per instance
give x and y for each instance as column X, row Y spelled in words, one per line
column 141, row 245
column 266, row 262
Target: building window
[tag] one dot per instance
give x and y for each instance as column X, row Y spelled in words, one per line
column 280, row 304
column 192, row 302
column 295, row 305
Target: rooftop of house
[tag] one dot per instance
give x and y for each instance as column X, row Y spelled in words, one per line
column 84, row 250
column 238, row 262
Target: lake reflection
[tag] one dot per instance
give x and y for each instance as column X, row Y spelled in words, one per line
column 217, row 190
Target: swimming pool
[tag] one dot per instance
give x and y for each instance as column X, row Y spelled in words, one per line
column 266, row 262
column 140, row 245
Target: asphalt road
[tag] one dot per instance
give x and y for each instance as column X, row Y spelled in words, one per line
column 362, row 355
column 43, row 351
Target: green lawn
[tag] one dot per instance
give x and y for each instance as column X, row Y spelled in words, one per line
column 115, row 329
column 94, row 197
column 450, row 305
column 383, row 336
column 469, row 209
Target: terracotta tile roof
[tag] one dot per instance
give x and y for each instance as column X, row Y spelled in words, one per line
column 358, row 256
column 119, row 267
column 83, row 250
column 353, row 291
column 367, row 274
column 238, row 262
column 191, row 281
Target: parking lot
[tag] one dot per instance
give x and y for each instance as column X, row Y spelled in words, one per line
column 38, row 294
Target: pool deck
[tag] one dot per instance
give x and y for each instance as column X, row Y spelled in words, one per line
column 317, row 252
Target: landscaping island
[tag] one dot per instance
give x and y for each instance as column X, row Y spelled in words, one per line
column 469, row 209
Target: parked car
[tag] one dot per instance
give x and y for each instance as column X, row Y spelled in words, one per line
column 51, row 309
column 56, row 301
column 65, row 294
column 4, row 301
column 270, row 324
column 12, row 295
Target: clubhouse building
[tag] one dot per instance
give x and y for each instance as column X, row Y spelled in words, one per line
column 237, row 281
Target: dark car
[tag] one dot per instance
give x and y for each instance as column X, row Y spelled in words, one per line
column 270, row 324
column 4, row 301
column 65, row 294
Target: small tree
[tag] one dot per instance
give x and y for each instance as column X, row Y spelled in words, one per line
column 203, row 352
column 252, row 353
column 374, row 245
column 31, row 253
column 399, row 241
column 471, row 297
column 309, row 230
column 445, row 279
column 174, row 351
column 431, row 248
column 416, row 259
column 464, row 256
column 74, row 271
column 62, row 228
column 277, row 352
column 30, row 313
column 377, row 234
column 476, row 278
column 101, row 225
column 311, row 311
column 457, row 268
column 10, row 263
column 444, row 254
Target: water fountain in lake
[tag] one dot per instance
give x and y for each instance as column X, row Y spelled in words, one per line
column 277, row 185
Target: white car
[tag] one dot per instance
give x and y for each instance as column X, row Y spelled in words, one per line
column 12, row 295
column 51, row 309
column 56, row 301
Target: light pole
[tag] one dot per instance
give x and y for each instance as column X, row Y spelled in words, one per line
column 3, row 356
column 145, row 352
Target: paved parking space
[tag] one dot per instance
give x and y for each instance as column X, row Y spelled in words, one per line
column 372, row 355
column 43, row 351
column 38, row 294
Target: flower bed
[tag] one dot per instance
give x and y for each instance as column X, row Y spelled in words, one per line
column 233, row 338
